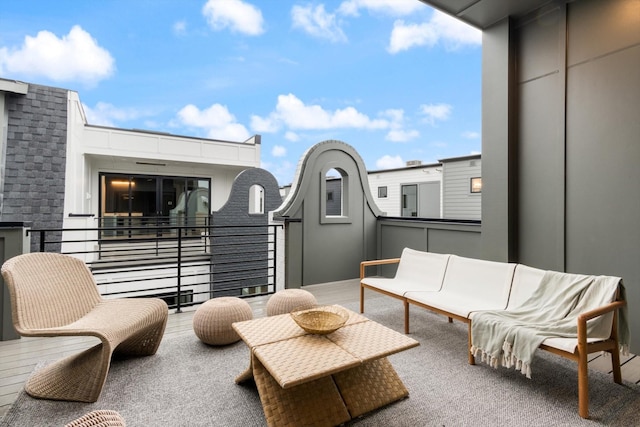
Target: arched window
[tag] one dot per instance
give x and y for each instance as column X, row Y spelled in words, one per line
column 334, row 195
column 256, row 199
column 333, row 190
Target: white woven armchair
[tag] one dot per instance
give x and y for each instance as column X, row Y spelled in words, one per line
column 55, row 295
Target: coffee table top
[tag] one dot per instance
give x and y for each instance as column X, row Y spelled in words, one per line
column 293, row 356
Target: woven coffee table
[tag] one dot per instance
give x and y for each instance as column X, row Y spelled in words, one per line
column 306, row 379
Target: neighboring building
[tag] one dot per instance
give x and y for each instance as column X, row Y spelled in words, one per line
column 110, row 189
column 462, row 187
column 58, row 171
column 450, row 189
column 411, row 191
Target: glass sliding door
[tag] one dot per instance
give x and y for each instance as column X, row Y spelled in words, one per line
column 410, row 200
column 131, row 204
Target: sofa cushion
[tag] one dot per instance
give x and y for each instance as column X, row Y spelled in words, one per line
column 469, row 285
column 456, row 304
column 417, row 271
column 525, row 280
column 487, row 282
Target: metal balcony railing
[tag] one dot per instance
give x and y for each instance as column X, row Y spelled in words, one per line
column 184, row 264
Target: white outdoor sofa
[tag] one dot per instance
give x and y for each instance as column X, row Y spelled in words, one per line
column 459, row 288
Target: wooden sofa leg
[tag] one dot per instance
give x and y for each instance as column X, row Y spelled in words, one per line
column 615, row 365
column 406, row 316
column 472, row 360
column 583, row 386
column 361, row 298
column 450, row 319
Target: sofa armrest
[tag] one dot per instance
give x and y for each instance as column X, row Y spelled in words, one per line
column 365, row 264
column 584, row 317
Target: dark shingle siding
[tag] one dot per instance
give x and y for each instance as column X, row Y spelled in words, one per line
column 36, row 157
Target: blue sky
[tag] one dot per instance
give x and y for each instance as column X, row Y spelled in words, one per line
column 393, row 78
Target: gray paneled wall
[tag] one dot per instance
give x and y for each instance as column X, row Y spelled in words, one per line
column 567, row 151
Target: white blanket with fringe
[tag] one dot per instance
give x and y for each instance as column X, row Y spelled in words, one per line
column 510, row 338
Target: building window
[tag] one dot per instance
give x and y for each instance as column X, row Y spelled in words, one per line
column 382, row 192
column 410, row 200
column 131, row 203
column 334, row 196
column 256, row 199
column 333, row 186
column 476, row 185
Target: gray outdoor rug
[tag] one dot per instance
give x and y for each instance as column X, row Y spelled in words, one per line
column 188, row 383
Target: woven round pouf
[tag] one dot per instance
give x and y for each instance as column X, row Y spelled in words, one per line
column 212, row 320
column 285, row 301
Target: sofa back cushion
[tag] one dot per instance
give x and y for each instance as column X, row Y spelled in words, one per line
column 478, row 279
column 424, row 268
column 525, row 280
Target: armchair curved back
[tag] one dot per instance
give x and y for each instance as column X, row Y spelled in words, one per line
column 48, row 290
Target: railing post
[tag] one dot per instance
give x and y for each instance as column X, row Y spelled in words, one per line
column 42, row 241
column 179, row 272
column 275, row 257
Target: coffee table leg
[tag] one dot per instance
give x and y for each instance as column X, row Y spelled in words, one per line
column 245, row 376
column 316, row 403
column 370, row 386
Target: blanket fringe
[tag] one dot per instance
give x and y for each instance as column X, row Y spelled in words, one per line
column 506, row 359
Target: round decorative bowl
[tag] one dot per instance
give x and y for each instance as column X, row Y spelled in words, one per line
column 321, row 320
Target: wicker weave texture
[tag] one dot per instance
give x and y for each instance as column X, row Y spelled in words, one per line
column 268, row 330
column 287, row 300
column 303, row 359
column 53, row 295
column 317, row 403
column 213, row 319
column 370, row 386
column 297, row 374
column 99, row 418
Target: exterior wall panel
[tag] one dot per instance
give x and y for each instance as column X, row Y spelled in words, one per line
column 458, row 201
column 541, row 141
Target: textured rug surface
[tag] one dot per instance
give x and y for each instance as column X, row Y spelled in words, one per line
column 188, row 383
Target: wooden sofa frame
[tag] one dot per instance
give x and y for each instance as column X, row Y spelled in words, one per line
column 582, row 350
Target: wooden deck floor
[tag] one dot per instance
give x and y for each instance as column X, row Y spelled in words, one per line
column 19, row 357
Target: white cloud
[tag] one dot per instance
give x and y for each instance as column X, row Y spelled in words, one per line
column 434, row 112
column 317, row 22
column 387, row 7
column 293, row 113
column 74, row 57
column 216, row 120
column 400, row 135
column 278, row 151
column 105, row 114
column 471, row 135
column 292, row 136
column 441, row 28
column 236, row 15
column 180, row 28
column 267, row 125
column 389, row 162
column 397, row 133
column 282, row 171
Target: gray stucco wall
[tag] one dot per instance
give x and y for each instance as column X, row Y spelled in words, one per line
column 323, row 248
column 34, row 173
column 569, row 157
